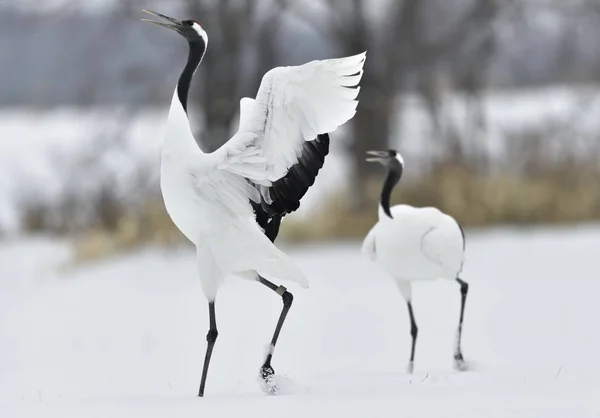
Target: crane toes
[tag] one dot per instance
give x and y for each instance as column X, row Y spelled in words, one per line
column 267, row 374
column 410, row 367
column 459, row 362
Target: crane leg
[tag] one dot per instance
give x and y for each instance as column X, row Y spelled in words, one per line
column 266, row 372
column 459, row 362
column 211, row 337
column 414, row 330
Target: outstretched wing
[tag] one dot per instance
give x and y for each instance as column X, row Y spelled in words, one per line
column 282, row 139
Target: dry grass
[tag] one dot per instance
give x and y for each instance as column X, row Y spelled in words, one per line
column 151, row 225
column 562, row 194
column 554, row 196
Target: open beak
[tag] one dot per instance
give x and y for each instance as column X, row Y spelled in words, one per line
column 378, row 156
column 174, row 24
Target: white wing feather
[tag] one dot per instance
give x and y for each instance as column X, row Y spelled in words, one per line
column 207, row 194
column 293, row 105
column 439, row 244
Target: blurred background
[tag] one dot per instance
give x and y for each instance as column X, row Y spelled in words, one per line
column 495, row 105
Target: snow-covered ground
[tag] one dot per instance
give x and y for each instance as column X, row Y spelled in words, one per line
column 126, row 337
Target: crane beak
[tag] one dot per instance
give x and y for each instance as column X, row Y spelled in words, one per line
column 174, row 24
column 379, row 156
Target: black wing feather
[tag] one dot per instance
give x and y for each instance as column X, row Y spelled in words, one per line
column 287, row 192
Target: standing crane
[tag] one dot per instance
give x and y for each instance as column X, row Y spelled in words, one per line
column 415, row 244
column 230, row 202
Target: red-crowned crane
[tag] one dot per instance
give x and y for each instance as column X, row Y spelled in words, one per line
column 230, row 202
column 415, row 244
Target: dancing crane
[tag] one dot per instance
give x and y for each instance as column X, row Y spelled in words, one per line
column 230, row 202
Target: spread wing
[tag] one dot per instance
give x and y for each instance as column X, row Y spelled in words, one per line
column 282, row 139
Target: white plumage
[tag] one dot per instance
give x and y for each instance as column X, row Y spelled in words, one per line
column 207, row 194
column 415, row 244
column 230, row 202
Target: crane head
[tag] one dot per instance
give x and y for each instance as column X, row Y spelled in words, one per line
column 386, row 158
column 189, row 29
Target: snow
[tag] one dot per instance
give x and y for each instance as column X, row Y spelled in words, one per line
column 126, row 337
column 45, row 154
column 42, row 153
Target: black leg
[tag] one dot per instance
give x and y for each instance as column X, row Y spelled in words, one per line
column 459, row 361
column 267, row 373
column 413, row 332
column 211, row 337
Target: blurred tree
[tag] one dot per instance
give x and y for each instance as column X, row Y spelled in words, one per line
column 405, row 51
column 352, row 30
column 229, row 73
column 465, row 51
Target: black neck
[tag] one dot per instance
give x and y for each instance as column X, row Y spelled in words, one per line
column 393, row 177
column 195, row 56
